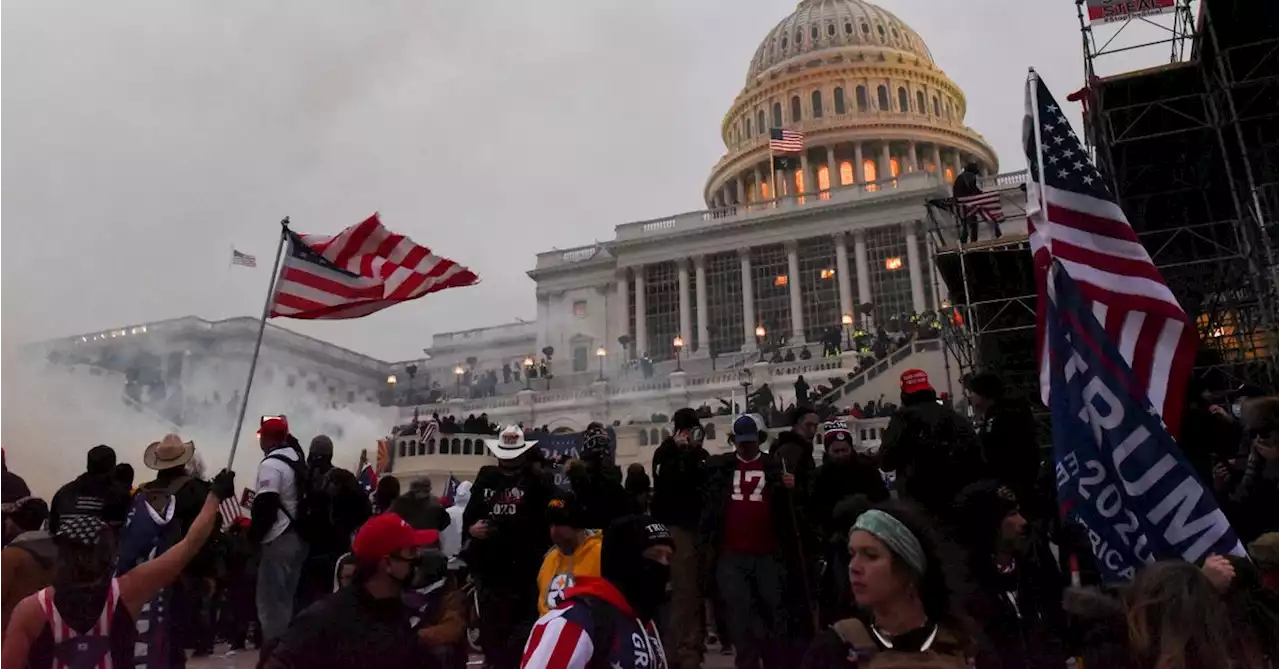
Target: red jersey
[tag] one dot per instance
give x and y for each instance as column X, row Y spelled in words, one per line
column 748, row 517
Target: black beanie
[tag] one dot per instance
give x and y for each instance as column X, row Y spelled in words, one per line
column 979, row 509
column 565, row 510
column 623, row 543
column 685, row 419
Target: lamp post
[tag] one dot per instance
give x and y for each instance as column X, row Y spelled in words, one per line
column 458, row 371
column 760, row 333
column 528, row 366
column 847, row 321
column 600, row 354
column 391, row 384
column 744, row 379
column 678, row 343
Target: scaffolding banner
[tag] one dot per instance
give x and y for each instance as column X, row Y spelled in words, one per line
column 1106, row 11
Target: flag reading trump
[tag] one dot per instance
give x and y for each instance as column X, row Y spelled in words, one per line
column 1118, row 471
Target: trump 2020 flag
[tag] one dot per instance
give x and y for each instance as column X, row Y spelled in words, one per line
column 1118, row 471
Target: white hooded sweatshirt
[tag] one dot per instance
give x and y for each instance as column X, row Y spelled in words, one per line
column 451, row 538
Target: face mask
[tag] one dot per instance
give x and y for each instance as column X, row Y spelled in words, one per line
column 649, row 585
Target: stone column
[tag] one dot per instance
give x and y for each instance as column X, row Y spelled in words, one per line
column 642, row 333
column 884, row 172
column 741, row 186
column 937, row 160
column 727, row 196
column 957, row 162
column 864, row 272
column 748, row 301
column 793, row 286
column 804, row 169
column 842, row 274
column 544, row 318
column 913, row 160
column 759, row 182
column 833, row 169
column 913, row 266
column 621, row 309
column 700, row 274
column 858, row 177
column 686, row 311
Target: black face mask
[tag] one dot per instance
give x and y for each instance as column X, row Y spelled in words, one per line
column 646, row 587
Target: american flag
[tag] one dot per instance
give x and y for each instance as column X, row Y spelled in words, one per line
column 232, row 509
column 785, row 141
column 363, row 269
column 985, row 206
column 428, row 428
column 238, row 258
column 1073, row 217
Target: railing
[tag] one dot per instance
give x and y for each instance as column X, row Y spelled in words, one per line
column 878, row 368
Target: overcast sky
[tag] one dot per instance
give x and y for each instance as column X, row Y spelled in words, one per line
column 143, row 140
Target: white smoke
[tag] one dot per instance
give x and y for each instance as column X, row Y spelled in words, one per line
column 54, row 413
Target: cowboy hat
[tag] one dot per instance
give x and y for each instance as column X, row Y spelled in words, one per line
column 509, row 444
column 169, row 452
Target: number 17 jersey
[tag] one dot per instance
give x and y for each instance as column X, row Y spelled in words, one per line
column 748, row 516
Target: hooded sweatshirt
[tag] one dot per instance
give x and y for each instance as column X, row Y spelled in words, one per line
column 451, row 537
column 594, row 613
column 26, row 567
column 560, row 572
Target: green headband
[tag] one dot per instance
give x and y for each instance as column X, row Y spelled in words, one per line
column 894, row 534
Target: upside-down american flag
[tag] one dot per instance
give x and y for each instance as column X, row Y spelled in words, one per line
column 1073, row 217
column 363, row 269
column 785, row 141
column 985, row 206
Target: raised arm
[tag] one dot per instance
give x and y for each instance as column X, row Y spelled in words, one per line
column 143, row 582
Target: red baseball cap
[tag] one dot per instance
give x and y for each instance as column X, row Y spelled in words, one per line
column 275, row 426
column 387, row 533
column 915, row 380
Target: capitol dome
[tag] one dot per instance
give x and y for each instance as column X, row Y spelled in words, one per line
column 865, row 91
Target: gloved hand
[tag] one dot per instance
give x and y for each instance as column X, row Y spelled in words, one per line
column 224, row 485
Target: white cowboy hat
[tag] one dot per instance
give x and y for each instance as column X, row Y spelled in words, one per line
column 509, row 444
column 169, row 452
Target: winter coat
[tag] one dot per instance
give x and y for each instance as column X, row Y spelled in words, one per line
column 599, row 490
column 835, row 481
column 26, row 567
column 515, row 505
column 421, row 512
column 678, row 476
column 834, row 647
column 933, row 450
column 1010, row 447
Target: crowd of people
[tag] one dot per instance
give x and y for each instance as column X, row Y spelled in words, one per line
column 759, row 552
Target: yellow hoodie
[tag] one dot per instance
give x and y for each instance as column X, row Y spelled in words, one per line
column 559, row 572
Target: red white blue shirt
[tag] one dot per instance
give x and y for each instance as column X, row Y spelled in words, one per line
column 566, row 637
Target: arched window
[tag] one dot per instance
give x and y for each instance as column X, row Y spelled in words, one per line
column 466, row 447
column 882, row 97
column 831, row 30
column 799, row 37
column 866, row 29
column 799, row 179
column 401, row 449
column 893, row 167
column 902, row 100
column 824, row 178
column 760, row 126
column 860, row 98
column 817, row 104
column 431, row 446
column 848, row 28
column 937, row 108
column 839, row 100
column 764, row 191
column 777, row 117
column 920, row 106
column 846, row 173
column 795, row 109
column 813, row 32
column 746, row 127
column 644, row 438
column 880, row 29
column 869, row 170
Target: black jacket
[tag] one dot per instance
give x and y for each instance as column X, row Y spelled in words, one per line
column 515, row 504
column 835, row 481
column 188, row 501
column 95, row 495
column 678, row 476
column 934, row 451
column 598, row 488
column 349, row 630
column 966, row 184
column 1010, row 446
column 796, row 454
column 1026, row 634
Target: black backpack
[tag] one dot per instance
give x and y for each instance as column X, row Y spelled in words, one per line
column 312, row 519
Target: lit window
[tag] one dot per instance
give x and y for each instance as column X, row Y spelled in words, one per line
column 799, row 181
column 827, row 273
column 780, row 280
column 869, row 174
column 764, row 191
column 893, row 166
column 824, row 178
column 580, row 309
column 846, row 173
column 893, row 263
column 949, row 175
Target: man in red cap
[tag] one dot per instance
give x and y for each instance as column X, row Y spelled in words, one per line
column 933, row 449
column 275, row 508
column 367, row 621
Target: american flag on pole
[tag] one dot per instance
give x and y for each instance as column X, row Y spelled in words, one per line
column 1073, row 217
column 363, row 269
column 428, row 428
column 984, row 206
column 243, row 259
column 785, row 141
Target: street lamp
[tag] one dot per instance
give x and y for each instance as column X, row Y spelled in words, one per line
column 601, row 353
column 678, row 342
column 744, row 379
column 391, row 385
column 760, row 333
column 847, row 321
column 528, row 367
column 391, row 380
column 458, row 371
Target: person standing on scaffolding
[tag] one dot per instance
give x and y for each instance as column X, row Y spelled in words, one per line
column 969, row 208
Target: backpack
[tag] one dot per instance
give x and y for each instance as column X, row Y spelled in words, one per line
column 942, row 654
column 312, row 519
column 75, row 650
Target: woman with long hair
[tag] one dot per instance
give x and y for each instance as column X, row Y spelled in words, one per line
column 1177, row 619
column 909, row 612
column 86, row 618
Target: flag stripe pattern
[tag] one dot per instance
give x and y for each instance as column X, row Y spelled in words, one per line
column 361, row 270
column 244, row 259
column 785, row 141
column 1072, row 216
column 984, row 206
column 230, row 510
column 557, row 643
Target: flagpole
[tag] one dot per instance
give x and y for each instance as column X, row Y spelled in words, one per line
column 773, row 177
column 257, row 347
column 1033, row 93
